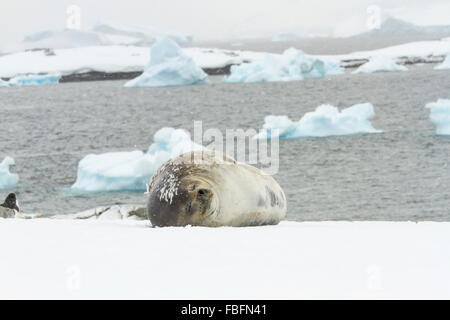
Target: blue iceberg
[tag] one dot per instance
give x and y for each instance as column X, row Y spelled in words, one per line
column 380, row 64
column 31, row 80
column 440, row 115
column 444, row 65
column 325, row 121
column 132, row 170
column 292, row 65
column 7, row 179
column 169, row 66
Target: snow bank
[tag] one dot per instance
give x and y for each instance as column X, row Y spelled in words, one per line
column 93, row 259
column 115, row 171
column 290, row 66
column 325, row 121
column 445, row 64
column 7, row 179
column 440, row 115
column 168, row 66
column 380, row 64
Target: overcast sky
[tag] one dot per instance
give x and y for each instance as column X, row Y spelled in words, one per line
column 215, row 19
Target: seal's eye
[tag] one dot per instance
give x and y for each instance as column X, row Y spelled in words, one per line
column 192, row 188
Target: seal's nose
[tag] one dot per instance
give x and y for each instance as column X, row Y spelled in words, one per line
column 204, row 193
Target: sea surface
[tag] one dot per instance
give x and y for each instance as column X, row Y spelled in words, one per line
column 400, row 174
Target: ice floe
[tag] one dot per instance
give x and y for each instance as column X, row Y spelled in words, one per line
column 169, row 66
column 7, row 179
column 325, row 121
column 440, row 115
column 445, row 64
column 31, row 80
column 380, row 64
column 132, row 170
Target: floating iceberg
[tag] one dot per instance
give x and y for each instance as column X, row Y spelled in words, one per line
column 440, row 115
column 34, row 80
column 7, row 179
column 4, row 83
column 31, row 80
column 380, row 64
column 445, row 64
column 325, row 121
column 292, row 65
column 169, row 66
column 115, row 171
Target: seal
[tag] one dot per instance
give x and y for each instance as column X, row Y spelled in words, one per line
column 205, row 188
column 9, row 208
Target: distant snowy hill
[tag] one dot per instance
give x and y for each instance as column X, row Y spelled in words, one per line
column 142, row 35
column 393, row 27
column 102, row 34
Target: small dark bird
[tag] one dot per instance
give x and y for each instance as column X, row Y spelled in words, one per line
column 10, row 202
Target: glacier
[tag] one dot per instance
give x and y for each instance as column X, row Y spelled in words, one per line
column 440, row 115
column 292, row 65
column 380, row 64
column 31, row 80
column 325, row 121
column 131, row 171
column 444, row 65
column 169, row 66
column 7, row 179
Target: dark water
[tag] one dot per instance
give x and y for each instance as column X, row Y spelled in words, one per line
column 401, row 174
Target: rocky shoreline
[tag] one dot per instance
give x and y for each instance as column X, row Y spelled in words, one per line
column 225, row 70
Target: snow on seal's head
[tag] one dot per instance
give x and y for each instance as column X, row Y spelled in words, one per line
column 205, row 188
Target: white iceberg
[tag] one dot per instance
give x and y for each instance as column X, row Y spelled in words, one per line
column 7, row 179
column 380, row 64
column 4, row 83
column 292, row 65
column 440, row 115
column 325, row 121
column 132, row 170
column 444, row 65
column 169, row 66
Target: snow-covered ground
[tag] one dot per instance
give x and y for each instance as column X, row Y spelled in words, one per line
column 109, row 59
column 112, row 59
column 53, row 258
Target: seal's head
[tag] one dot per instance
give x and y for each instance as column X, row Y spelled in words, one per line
column 11, row 202
column 182, row 194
